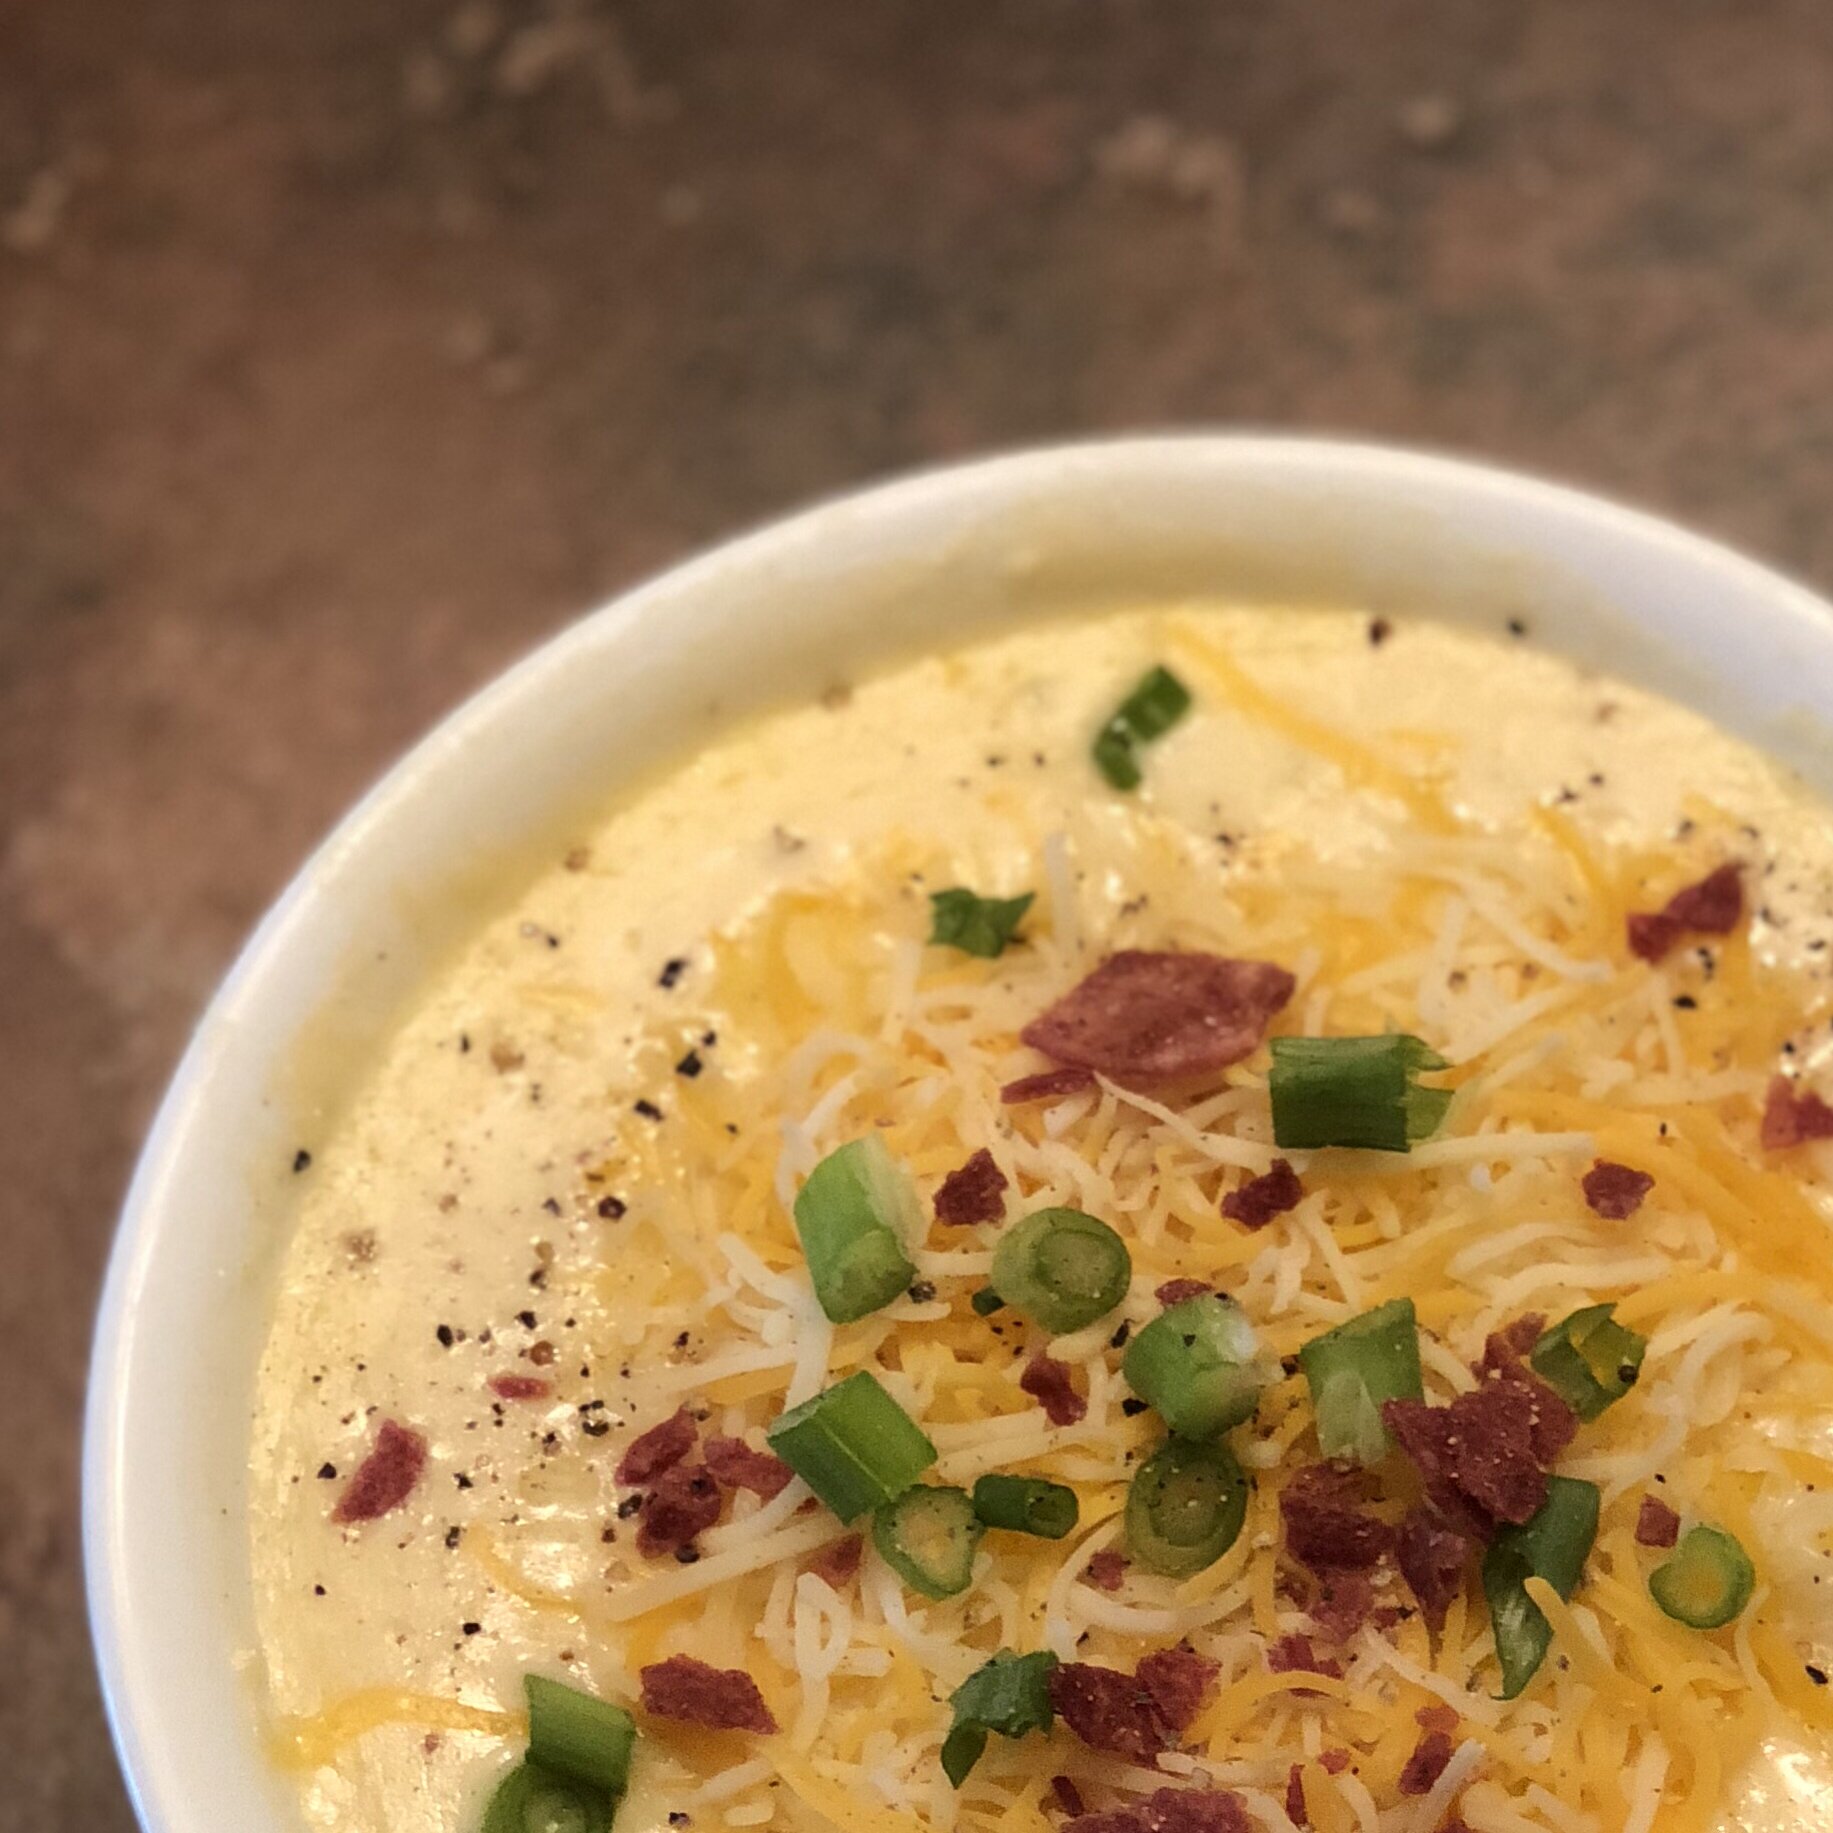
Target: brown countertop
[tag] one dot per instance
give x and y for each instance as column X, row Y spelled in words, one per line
column 346, row 349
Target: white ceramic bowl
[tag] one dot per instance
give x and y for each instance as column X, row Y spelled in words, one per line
column 915, row 564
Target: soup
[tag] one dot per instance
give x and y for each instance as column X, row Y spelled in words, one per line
column 1199, row 1220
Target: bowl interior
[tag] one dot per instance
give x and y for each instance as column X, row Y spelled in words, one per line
column 912, row 565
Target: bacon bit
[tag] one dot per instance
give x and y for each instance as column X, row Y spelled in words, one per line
column 386, row 1477
column 1327, row 1528
column 1179, row 1680
column 972, row 1193
column 1296, row 1811
column 722, row 1699
column 1503, row 1349
column 1437, row 1717
column 1294, row 1654
column 1262, row 1198
column 654, row 1451
column 1175, row 1291
column 1426, row 1764
column 1454, row 1823
column 1047, row 1381
column 1344, row 1602
column 736, row 1466
column 1046, row 1085
column 684, row 1502
column 1145, row 1016
column 1432, row 1559
column 520, row 1387
column 1792, row 1116
column 1106, row 1569
column 1657, row 1525
column 1171, row 1810
column 1066, row 1796
column 1615, row 1192
column 836, row 1562
column 1710, row 908
column 1334, row 1761
column 1109, row 1710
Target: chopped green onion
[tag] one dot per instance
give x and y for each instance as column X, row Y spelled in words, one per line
column 854, row 1215
column 584, row 1739
column 927, row 1537
column 1354, row 1091
column 1589, row 1359
column 531, row 1799
column 853, row 1445
column 1199, row 1364
column 975, row 925
column 1185, row 1507
column 986, row 1301
column 1010, row 1695
column 1552, row 1545
column 1352, row 1369
column 1026, row 1505
column 1062, row 1269
column 1706, row 1581
column 1154, row 706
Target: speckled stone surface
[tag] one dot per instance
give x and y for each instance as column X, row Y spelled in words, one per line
column 347, row 349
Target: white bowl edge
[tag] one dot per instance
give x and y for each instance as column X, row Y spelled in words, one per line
column 927, row 559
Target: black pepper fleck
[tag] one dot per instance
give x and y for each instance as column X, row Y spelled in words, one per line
column 595, row 1428
column 648, row 1109
column 922, row 1292
column 690, row 1065
column 453, row 1536
column 672, row 970
column 1132, row 1408
column 1119, row 1339
column 1686, row 1002
column 471, row 1629
column 302, row 1161
column 1379, row 630
column 688, row 1555
column 526, row 1319
column 1816, row 1674
column 463, row 1481
column 327, row 1472
column 444, row 1334
column 613, row 1209
column 630, row 1505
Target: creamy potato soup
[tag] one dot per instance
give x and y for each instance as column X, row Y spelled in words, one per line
column 1207, row 1220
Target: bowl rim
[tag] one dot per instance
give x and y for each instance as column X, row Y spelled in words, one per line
column 133, row 1675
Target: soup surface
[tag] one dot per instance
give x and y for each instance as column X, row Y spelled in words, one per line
column 561, row 1212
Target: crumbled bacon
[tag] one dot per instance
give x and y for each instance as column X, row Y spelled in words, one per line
column 972, row 1192
column 1065, row 1796
column 1176, row 1291
column 1293, row 1654
column 1432, row 1559
column 1503, row 1349
column 509, row 1386
column 1106, row 1569
column 684, row 1502
column 1343, row 1602
column 1047, row 1085
column 1710, row 908
column 1615, row 1192
column 1335, row 1761
column 652, row 1452
column 736, row 1466
column 386, row 1477
column 1145, row 1016
column 1792, row 1116
column 1171, row 1810
column 1426, row 1764
column 1262, row 1198
column 1657, row 1525
column 1327, row 1527
column 1296, row 1811
column 1133, row 1715
column 836, row 1562
column 1438, row 1716
column 1178, row 1680
column 722, row 1699
column 1048, row 1382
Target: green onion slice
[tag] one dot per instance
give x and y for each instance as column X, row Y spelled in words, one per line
column 927, row 1536
column 854, row 1215
column 577, row 1736
column 1062, row 1269
column 1706, row 1581
column 1010, row 1695
column 975, row 925
column 1352, row 1369
column 1354, row 1091
column 1154, row 706
column 853, row 1445
column 1554, row 1545
column 1199, row 1364
column 531, row 1799
column 1589, row 1360
column 1026, row 1505
column 1185, row 1507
